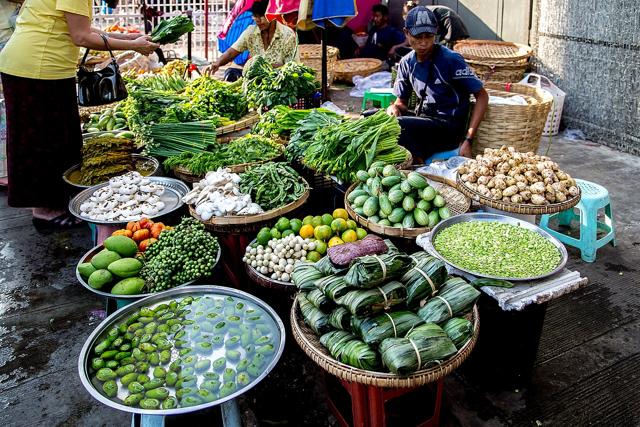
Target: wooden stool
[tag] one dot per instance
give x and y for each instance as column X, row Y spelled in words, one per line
column 368, row 403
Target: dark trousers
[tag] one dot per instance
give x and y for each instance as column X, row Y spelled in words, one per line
column 425, row 136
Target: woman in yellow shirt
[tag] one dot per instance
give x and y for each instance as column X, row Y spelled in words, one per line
column 38, row 69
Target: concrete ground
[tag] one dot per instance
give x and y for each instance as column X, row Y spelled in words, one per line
column 586, row 371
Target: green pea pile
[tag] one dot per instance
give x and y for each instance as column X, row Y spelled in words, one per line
column 180, row 255
column 497, row 249
column 183, row 353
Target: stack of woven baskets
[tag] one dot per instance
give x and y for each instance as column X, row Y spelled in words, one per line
column 311, row 56
column 494, row 60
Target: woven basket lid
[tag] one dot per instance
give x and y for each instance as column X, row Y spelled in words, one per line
column 482, row 50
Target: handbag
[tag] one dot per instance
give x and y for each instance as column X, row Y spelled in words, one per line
column 100, row 87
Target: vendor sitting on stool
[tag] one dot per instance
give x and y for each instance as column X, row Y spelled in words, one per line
column 443, row 83
column 270, row 39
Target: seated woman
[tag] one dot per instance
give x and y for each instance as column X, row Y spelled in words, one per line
column 270, row 39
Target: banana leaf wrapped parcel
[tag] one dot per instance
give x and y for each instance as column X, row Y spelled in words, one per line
column 416, row 257
column 320, row 301
column 424, row 279
column 327, row 268
column 348, row 349
column 459, row 330
column 370, row 271
column 333, row 287
column 340, row 318
column 314, row 318
column 456, row 297
column 422, row 346
column 371, row 301
column 304, row 276
column 373, row 330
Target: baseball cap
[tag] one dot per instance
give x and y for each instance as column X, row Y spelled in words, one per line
column 421, row 20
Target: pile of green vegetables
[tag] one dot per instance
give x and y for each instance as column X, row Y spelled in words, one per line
column 391, row 198
column 266, row 87
column 184, row 352
column 211, row 96
column 282, row 121
column 171, row 82
column 184, row 253
column 307, row 128
column 170, row 30
column 391, row 312
column 172, row 139
column 247, row 149
column 346, row 147
column 272, row 185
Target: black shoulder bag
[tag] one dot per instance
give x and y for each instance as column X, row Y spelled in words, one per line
column 100, row 87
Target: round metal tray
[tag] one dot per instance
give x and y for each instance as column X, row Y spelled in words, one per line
column 98, row 334
column 93, row 251
column 174, row 191
column 507, row 220
column 136, row 158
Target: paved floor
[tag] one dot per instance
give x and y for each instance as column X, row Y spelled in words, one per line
column 587, row 369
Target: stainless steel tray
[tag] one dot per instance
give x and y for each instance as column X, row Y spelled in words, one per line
column 172, row 196
column 136, row 158
column 90, row 254
column 504, row 219
column 99, row 333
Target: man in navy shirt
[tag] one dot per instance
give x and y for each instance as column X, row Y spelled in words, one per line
column 443, row 83
column 382, row 36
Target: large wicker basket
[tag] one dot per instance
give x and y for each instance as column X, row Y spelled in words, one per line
column 311, row 56
column 347, row 69
column 494, row 60
column 519, row 126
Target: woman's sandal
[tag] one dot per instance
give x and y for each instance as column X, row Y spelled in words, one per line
column 64, row 221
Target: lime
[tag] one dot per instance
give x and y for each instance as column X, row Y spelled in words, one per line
column 361, row 233
column 321, row 247
column 307, row 220
column 349, row 236
column 338, row 225
column 295, row 225
column 313, row 256
column 341, row 213
column 322, row 232
column 317, row 221
column 288, row 232
column 351, row 224
column 275, row 234
column 327, row 219
column 264, row 236
column 282, row 224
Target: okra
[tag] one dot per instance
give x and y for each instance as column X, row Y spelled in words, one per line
column 135, row 387
column 133, row 399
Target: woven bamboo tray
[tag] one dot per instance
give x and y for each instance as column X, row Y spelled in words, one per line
column 310, row 344
column 348, row 68
column 248, row 223
column 457, row 202
column 517, row 208
column 267, row 282
column 492, row 72
column 311, row 56
column 244, row 123
column 493, row 51
column 519, row 126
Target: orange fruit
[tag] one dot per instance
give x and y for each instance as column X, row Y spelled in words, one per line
column 335, row 241
column 338, row 225
column 361, row 232
column 322, row 232
column 306, row 231
column 341, row 213
column 349, row 236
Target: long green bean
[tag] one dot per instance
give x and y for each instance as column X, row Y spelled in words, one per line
column 272, row 185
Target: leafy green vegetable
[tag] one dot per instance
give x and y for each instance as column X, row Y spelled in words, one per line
column 171, row 139
column 170, row 30
column 211, row 96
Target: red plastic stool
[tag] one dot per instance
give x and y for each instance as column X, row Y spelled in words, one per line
column 368, row 403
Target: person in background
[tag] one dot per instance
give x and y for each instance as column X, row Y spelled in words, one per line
column 382, row 36
column 443, row 83
column 38, row 70
column 272, row 40
column 451, row 28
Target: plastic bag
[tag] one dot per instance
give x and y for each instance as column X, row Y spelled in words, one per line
column 333, row 107
column 574, row 135
column 381, row 79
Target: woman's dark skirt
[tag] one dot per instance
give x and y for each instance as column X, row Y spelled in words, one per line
column 43, row 139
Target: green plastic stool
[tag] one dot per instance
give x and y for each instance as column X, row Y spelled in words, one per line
column 594, row 197
column 384, row 98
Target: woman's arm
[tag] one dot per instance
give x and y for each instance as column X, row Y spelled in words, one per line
column 83, row 36
column 226, row 57
column 118, row 36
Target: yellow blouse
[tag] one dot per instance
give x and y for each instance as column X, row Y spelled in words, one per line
column 41, row 46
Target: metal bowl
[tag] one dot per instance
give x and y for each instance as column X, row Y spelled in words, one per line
column 98, row 334
column 137, row 158
column 172, row 196
column 507, row 220
column 87, row 258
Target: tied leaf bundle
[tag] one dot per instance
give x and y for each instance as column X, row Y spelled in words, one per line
column 425, row 344
column 424, row 280
column 303, row 136
column 333, row 287
column 459, row 330
column 314, row 318
column 172, row 139
column 371, row 301
column 327, row 268
column 104, row 157
column 456, row 297
column 346, row 348
column 373, row 330
column 170, row 30
column 340, row 318
column 416, row 257
column 320, row 301
column 370, row 271
column 304, row 276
